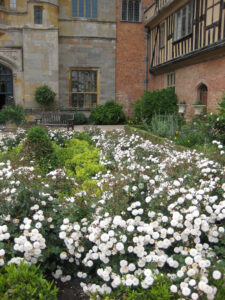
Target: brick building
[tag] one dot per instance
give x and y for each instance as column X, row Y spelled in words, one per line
column 131, row 52
column 91, row 51
column 187, row 49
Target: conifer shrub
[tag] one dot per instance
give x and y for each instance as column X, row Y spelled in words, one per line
column 38, row 147
column 156, row 102
column 25, row 282
column 110, row 113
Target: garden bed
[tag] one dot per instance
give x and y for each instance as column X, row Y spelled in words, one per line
column 128, row 217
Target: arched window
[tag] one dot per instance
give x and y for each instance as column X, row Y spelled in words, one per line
column 203, row 93
column 131, row 10
column 6, row 85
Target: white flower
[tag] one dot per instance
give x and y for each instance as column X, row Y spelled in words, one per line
column 66, row 221
column 173, row 288
column 186, row 291
column 119, row 246
column 63, row 255
column 216, row 275
column 130, row 228
column 188, row 261
column 104, row 237
column 194, row 296
column 62, row 235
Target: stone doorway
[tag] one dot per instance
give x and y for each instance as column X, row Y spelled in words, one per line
column 6, row 86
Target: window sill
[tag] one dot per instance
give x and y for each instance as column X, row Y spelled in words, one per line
column 84, row 19
column 125, row 21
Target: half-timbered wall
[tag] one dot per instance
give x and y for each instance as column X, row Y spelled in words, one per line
column 208, row 29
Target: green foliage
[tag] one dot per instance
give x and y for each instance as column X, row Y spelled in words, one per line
column 166, row 125
column 25, row 282
column 221, row 104
column 80, row 159
column 44, row 95
column 158, row 291
column 193, row 134
column 38, row 147
column 110, row 113
column 14, row 113
column 80, row 118
column 156, row 102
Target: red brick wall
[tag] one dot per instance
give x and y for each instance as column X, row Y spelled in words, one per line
column 188, row 79
column 130, row 65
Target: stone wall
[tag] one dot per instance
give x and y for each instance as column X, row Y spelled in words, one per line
column 87, row 43
column 87, row 53
column 40, row 50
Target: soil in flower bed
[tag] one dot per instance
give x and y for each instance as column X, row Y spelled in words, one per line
column 71, row 291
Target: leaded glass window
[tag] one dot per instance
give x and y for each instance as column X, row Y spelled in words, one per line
column 183, row 21
column 84, row 88
column 12, row 4
column 131, row 10
column 37, row 15
column 85, row 8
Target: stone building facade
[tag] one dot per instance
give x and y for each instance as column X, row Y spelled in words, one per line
column 69, row 45
column 91, row 51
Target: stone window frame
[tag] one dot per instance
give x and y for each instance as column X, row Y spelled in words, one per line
column 13, row 4
column 125, row 10
column 185, row 13
column 89, row 11
column 38, row 15
column 84, row 93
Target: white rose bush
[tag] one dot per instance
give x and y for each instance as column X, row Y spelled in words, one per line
column 154, row 230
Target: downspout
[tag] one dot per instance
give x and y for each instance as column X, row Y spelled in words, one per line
column 146, row 58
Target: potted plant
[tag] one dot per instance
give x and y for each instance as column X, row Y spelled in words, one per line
column 12, row 116
column 182, row 107
column 199, row 108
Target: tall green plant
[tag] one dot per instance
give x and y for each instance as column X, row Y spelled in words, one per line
column 156, row 102
column 165, row 125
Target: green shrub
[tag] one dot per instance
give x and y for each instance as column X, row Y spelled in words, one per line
column 156, row 102
column 14, row 113
column 44, row 95
column 217, row 122
column 80, row 158
column 25, row 282
column 80, row 119
column 38, row 147
column 110, row 113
